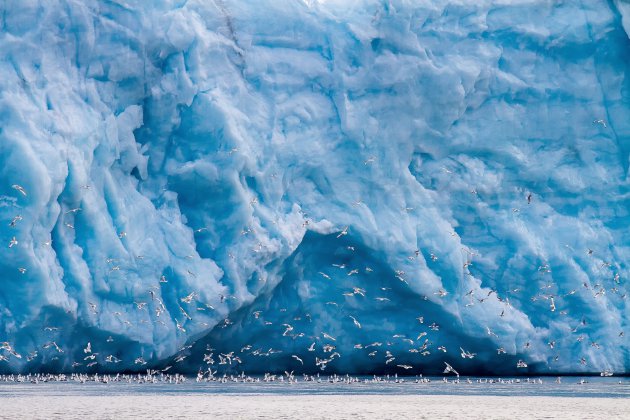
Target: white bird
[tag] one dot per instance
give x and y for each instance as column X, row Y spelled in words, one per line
column 208, row 358
column 88, row 348
column 441, row 293
column 298, row 359
column 185, row 313
column 356, row 323
column 19, row 188
column 13, row 242
column 343, row 232
column 112, row 359
column 140, row 305
column 329, row 337
column 467, row 354
column 449, row 368
column 189, row 298
column 288, row 327
column 325, row 275
column 15, row 220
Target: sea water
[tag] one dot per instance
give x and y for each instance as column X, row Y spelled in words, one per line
column 578, row 387
column 488, row 397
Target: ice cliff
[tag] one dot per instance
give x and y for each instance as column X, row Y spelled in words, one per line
column 365, row 185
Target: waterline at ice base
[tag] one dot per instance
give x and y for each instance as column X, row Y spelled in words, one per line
column 350, row 187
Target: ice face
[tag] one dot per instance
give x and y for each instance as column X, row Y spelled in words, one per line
column 442, row 178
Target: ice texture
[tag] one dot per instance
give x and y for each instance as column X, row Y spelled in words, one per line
column 248, row 176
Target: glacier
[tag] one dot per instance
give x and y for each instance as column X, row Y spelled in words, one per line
column 354, row 186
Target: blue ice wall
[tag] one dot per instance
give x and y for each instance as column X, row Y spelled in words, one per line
column 314, row 179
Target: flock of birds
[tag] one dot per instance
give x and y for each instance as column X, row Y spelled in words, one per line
column 157, row 377
column 322, row 345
